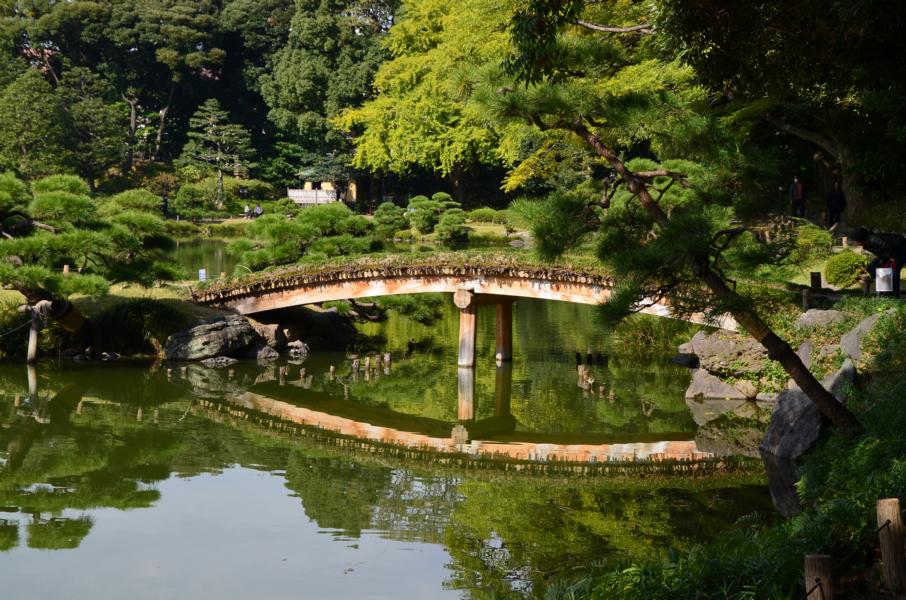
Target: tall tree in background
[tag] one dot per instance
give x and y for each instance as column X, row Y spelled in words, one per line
column 593, row 73
column 31, row 132
column 95, row 127
column 829, row 72
column 216, row 143
column 327, row 65
column 183, row 36
column 417, row 119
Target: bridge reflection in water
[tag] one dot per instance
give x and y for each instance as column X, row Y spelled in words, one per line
column 492, row 437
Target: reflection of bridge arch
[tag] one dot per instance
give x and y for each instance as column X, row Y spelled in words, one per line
column 494, row 437
column 472, row 285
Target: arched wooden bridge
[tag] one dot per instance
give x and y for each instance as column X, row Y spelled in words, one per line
column 472, row 286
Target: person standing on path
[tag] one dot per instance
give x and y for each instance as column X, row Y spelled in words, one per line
column 836, row 204
column 797, row 197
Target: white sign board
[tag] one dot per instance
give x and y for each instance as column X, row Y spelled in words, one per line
column 202, row 274
column 884, row 280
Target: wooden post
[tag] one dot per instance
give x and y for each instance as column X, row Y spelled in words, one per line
column 891, row 534
column 819, row 578
column 31, row 355
column 31, row 375
column 466, row 394
column 806, row 298
column 816, row 280
column 468, row 327
column 504, row 331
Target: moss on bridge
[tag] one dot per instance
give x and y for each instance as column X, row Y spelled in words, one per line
column 514, row 264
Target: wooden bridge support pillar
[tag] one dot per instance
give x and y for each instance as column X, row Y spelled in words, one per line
column 466, row 394
column 504, row 330
column 503, row 389
column 468, row 303
column 468, row 326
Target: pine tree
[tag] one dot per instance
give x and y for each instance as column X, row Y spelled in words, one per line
column 215, row 142
column 665, row 220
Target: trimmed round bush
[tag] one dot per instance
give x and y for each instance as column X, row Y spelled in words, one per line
column 845, row 269
column 482, row 215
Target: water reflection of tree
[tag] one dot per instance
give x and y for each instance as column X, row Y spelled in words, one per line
column 505, row 535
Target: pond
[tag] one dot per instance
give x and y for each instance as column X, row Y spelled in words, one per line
column 121, row 480
column 204, row 253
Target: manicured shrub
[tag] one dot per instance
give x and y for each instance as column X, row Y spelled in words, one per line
column 138, row 199
column 62, row 209
column 482, row 215
column 61, row 183
column 388, row 219
column 424, row 213
column 845, row 269
column 451, row 230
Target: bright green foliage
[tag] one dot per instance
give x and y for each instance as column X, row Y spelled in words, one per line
column 451, row 230
column 138, row 199
column 327, row 230
column 61, row 183
column 62, row 209
column 278, row 241
column 388, row 219
column 845, row 269
column 13, row 193
column 196, row 200
column 812, row 243
column 417, row 119
column 482, row 215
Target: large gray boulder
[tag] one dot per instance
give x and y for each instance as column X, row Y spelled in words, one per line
column 232, row 336
column 851, row 343
column 815, row 317
column 796, row 425
column 729, row 354
column 272, row 334
column 706, row 386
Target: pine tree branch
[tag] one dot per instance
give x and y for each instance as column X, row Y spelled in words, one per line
column 700, row 264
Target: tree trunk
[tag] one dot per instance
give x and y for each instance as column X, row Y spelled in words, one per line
column 456, row 183
column 158, row 142
column 220, row 203
column 856, row 200
column 777, row 348
column 133, row 127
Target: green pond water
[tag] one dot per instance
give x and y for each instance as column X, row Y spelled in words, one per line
column 118, row 480
column 201, row 253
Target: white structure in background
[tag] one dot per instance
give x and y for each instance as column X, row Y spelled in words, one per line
column 312, row 197
column 322, row 192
